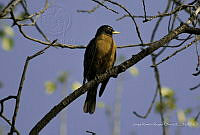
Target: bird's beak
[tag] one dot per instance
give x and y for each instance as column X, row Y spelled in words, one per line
column 115, row 32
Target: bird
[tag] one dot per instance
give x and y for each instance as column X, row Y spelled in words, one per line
column 100, row 56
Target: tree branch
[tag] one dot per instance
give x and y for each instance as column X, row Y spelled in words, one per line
column 9, row 7
column 157, row 76
column 173, row 54
column 91, row 10
column 12, row 129
column 105, row 6
column 2, row 110
column 150, row 107
column 164, row 14
column 133, row 19
column 36, row 25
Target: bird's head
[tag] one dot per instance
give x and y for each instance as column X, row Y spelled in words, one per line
column 106, row 29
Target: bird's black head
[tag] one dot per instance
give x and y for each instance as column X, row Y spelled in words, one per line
column 106, row 29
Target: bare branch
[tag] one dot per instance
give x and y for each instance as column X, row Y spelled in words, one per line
column 136, row 26
column 70, row 46
column 158, row 22
column 177, row 9
column 91, row 10
column 196, row 118
column 177, row 51
column 12, row 129
column 164, row 14
column 36, row 25
column 195, row 87
column 2, row 110
column 9, row 7
column 3, row 100
column 36, row 15
column 145, row 13
column 196, row 74
column 157, row 77
column 105, row 6
column 92, row 133
column 150, row 107
column 9, row 123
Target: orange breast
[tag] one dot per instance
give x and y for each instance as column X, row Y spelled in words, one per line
column 105, row 53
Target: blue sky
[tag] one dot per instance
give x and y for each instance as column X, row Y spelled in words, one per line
column 62, row 22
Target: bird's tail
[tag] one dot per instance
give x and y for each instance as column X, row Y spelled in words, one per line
column 103, row 86
column 90, row 102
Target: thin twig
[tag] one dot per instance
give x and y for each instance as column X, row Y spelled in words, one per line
column 91, row 10
column 43, row 42
column 179, row 8
column 9, row 123
column 150, row 107
column 12, row 129
column 196, row 74
column 100, row 3
column 93, row 133
column 28, row 15
column 36, row 15
column 145, row 13
column 3, row 100
column 158, row 22
column 70, row 46
column 164, row 14
column 136, row 26
column 2, row 110
column 157, row 77
column 173, row 54
column 195, row 87
column 36, row 25
column 170, row 18
column 197, row 53
column 196, row 118
column 184, row 40
column 9, row 7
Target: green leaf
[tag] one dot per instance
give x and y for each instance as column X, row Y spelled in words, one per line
column 134, row 71
column 8, row 31
column 76, row 85
column 50, row 87
column 63, row 77
column 100, row 104
column 7, row 43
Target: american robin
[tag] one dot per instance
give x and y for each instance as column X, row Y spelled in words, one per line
column 100, row 55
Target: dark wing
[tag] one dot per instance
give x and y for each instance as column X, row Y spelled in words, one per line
column 88, row 58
